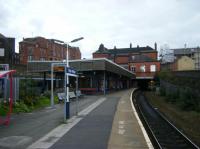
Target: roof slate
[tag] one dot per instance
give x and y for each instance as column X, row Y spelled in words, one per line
column 126, row 50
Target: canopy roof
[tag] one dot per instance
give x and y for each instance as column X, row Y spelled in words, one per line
column 83, row 65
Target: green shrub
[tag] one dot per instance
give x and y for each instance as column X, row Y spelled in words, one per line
column 21, row 107
column 47, row 94
column 4, row 108
column 188, row 101
column 28, row 91
column 42, row 101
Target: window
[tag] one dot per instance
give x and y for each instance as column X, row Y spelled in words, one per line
column 30, row 58
column 42, row 59
column 153, row 68
column 133, row 69
column 30, row 50
column 142, row 68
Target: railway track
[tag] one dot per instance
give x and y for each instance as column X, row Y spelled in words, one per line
column 163, row 134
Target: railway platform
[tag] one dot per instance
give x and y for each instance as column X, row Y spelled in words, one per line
column 126, row 129
column 111, row 124
column 103, row 122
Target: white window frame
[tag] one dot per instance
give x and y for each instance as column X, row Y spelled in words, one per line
column 153, row 68
column 133, row 68
column 30, row 58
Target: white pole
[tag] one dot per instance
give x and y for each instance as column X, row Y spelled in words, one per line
column 52, row 96
column 65, row 94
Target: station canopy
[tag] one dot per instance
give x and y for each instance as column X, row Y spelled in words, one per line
column 97, row 64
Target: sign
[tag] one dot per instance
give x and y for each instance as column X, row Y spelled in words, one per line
column 59, row 68
column 70, row 71
column 2, row 52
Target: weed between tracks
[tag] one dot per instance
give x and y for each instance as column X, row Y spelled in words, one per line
column 188, row 121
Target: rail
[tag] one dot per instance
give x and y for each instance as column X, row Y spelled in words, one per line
column 161, row 131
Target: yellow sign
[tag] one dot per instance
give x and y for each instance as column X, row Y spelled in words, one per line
column 59, row 68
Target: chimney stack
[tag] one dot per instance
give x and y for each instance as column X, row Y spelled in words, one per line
column 115, row 47
column 155, row 46
column 130, row 45
column 138, row 46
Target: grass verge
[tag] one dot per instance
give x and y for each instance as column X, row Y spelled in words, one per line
column 187, row 121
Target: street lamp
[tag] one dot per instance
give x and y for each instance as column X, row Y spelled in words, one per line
column 67, row 103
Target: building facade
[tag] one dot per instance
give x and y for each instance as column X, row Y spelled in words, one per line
column 42, row 49
column 192, row 55
column 140, row 60
column 184, row 63
column 7, row 51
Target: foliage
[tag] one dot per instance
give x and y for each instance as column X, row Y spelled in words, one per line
column 21, row 107
column 28, row 91
column 184, row 98
column 184, row 93
column 4, row 107
column 47, row 94
column 179, row 81
column 188, row 101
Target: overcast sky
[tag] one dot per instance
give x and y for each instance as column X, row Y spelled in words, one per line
column 111, row 22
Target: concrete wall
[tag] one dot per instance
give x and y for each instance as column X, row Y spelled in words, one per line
column 185, row 63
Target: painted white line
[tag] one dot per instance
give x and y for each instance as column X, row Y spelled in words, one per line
column 149, row 144
column 121, row 122
column 52, row 137
column 121, row 131
column 121, row 126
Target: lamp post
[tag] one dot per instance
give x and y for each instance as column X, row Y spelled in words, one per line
column 66, row 87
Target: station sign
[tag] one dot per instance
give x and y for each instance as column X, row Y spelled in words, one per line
column 70, row 70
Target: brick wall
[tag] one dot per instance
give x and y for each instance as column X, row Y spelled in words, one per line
column 101, row 55
column 44, row 49
column 121, row 59
column 152, row 55
column 147, row 65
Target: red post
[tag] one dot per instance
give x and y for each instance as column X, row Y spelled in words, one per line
column 10, row 100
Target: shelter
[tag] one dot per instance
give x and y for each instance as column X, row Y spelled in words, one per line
column 95, row 75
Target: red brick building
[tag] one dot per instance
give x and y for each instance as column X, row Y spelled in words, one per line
column 140, row 60
column 42, row 49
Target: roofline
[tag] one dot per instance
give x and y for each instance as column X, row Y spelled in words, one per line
column 83, row 60
column 186, row 48
column 143, row 61
column 145, row 51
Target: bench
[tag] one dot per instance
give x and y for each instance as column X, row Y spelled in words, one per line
column 71, row 95
column 61, row 96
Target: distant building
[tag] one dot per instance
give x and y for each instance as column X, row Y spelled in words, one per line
column 7, row 51
column 140, row 60
column 42, row 49
column 192, row 53
column 184, row 63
